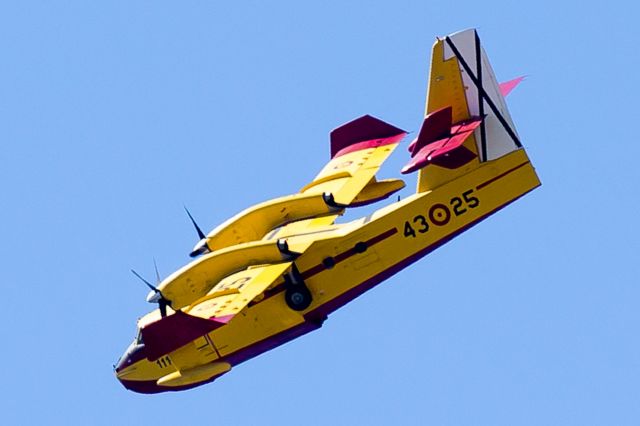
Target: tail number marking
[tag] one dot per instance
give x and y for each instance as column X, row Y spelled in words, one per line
column 163, row 362
column 460, row 204
column 440, row 214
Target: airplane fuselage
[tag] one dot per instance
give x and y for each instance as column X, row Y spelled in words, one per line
column 343, row 262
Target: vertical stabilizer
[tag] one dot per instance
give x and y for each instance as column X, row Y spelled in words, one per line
column 461, row 78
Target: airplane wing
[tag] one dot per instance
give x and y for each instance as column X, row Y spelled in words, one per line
column 236, row 291
column 216, row 308
column 358, row 149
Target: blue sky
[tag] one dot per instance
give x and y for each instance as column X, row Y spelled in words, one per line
column 114, row 115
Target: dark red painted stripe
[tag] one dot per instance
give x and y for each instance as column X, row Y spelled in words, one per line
column 364, row 130
column 344, row 255
column 315, row 318
column 347, row 254
column 333, row 305
column 315, row 270
column 382, row 237
column 271, row 342
column 376, row 143
column 500, row 176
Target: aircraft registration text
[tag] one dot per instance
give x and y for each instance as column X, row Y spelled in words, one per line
column 440, row 214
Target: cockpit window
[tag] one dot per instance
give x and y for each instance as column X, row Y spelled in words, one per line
column 139, row 338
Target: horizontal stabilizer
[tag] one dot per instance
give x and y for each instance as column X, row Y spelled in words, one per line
column 362, row 133
column 436, row 125
column 447, row 150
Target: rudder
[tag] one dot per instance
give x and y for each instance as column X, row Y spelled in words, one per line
column 481, row 128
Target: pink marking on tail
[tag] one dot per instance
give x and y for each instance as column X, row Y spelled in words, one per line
column 508, row 86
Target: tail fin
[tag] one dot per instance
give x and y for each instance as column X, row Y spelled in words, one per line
column 481, row 128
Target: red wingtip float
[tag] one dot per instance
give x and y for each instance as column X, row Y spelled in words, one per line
column 278, row 269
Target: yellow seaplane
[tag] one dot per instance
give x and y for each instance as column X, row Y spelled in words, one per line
column 276, row 270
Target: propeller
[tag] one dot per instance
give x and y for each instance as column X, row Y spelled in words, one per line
column 201, row 247
column 155, row 296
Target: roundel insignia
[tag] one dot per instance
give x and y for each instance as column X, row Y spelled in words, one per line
column 439, row 214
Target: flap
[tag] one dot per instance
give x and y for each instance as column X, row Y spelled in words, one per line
column 197, row 278
column 236, row 291
column 348, row 173
column 441, row 152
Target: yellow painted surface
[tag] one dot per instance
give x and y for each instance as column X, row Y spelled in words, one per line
column 317, row 226
column 234, row 292
column 378, row 190
column 194, row 280
column 445, row 89
column 255, row 222
column 199, row 352
column 347, row 175
column 331, row 283
column 445, row 85
column 433, row 176
column 194, row 375
column 432, row 216
column 256, row 323
column 146, row 370
column 246, row 280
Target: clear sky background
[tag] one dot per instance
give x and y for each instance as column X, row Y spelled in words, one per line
column 115, row 114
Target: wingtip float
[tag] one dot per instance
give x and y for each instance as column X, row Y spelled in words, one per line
column 276, row 270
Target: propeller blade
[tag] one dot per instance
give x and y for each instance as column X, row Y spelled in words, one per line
column 195, row 225
column 155, row 265
column 157, row 296
column 145, row 281
column 162, row 304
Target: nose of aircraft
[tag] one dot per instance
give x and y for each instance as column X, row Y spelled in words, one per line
column 122, row 363
column 134, row 353
column 133, row 376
